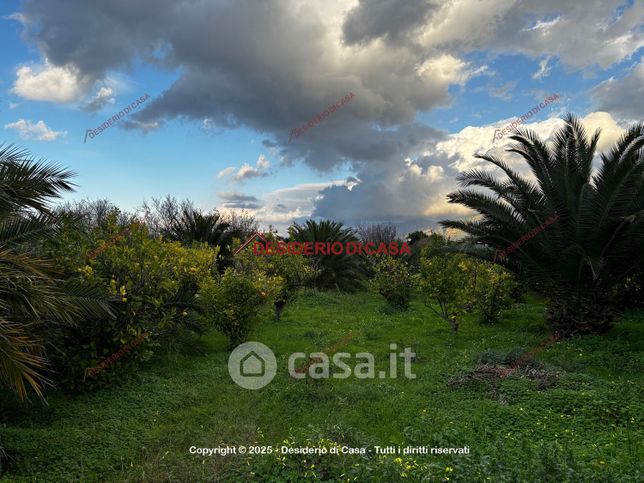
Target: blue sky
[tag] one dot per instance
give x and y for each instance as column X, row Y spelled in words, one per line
column 228, row 81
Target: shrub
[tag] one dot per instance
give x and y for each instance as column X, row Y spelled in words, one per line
column 296, row 271
column 444, row 280
column 393, row 281
column 234, row 301
column 152, row 285
column 493, row 289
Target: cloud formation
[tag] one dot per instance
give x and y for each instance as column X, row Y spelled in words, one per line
column 620, row 96
column 247, row 171
column 38, row 131
column 235, row 200
column 49, row 83
column 269, row 66
column 103, row 97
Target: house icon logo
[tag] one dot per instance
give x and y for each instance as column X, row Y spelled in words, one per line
column 252, row 365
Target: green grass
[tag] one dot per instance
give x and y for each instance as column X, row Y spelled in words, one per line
column 585, row 427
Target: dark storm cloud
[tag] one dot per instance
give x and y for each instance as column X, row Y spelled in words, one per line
column 619, row 96
column 265, row 65
column 392, row 19
column 239, row 200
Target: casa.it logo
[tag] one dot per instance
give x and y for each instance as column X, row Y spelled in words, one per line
column 265, row 247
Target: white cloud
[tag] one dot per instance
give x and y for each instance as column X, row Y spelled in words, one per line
column 575, row 32
column 610, row 129
column 447, row 69
column 17, row 16
column 247, row 171
column 104, row 96
column 544, row 69
column 38, row 131
column 48, row 83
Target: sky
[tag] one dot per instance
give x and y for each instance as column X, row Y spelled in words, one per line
column 227, row 82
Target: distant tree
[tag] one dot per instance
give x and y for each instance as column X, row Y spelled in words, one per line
column 416, row 236
column 193, row 225
column 343, row 272
column 241, row 224
column 377, row 233
column 93, row 213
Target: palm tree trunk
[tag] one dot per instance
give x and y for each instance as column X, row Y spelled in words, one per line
column 589, row 313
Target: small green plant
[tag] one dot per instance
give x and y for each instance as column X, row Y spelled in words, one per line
column 444, row 280
column 393, row 281
column 296, row 271
column 234, row 301
column 493, row 289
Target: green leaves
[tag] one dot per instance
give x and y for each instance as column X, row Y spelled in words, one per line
column 234, row 301
column 393, row 281
column 25, row 183
column 32, row 292
column 342, row 272
column 596, row 241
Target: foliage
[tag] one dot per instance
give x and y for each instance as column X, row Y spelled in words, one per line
column 596, row 239
column 416, row 236
column 492, row 290
column 630, row 293
column 295, row 271
column 153, row 284
column 241, row 224
column 189, row 225
column 90, row 214
column 393, row 281
column 342, row 272
column 32, row 294
column 444, row 279
column 234, row 301
column 418, row 241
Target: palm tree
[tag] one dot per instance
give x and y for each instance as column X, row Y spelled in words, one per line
column 194, row 226
column 597, row 236
column 31, row 292
column 343, row 272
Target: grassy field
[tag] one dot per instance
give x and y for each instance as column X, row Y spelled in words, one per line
column 576, row 418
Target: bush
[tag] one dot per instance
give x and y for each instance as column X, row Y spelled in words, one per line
column 444, row 279
column 152, row 285
column 630, row 293
column 296, row 271
column 493, row 290
column 393, row 281
column 234, row 301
